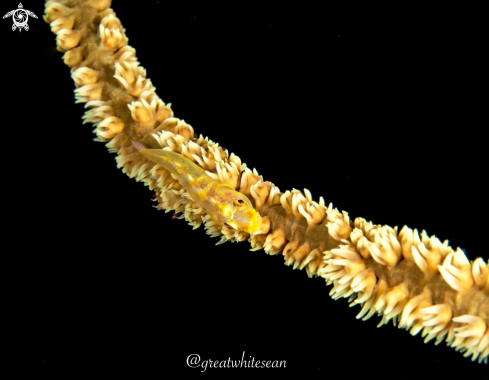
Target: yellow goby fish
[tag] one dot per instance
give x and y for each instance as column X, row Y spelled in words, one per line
column 224, row 204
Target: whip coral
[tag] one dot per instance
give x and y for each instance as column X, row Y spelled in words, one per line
column 402, row 274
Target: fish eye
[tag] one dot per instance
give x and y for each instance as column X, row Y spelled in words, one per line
column 239, row 203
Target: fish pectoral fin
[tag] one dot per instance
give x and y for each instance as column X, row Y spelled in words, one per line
column 226, row 210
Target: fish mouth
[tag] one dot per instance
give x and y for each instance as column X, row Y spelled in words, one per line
column 231, row 227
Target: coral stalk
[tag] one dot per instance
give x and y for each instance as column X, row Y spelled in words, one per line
column 403, row 275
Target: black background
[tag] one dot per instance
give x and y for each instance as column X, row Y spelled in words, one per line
column 382, row 111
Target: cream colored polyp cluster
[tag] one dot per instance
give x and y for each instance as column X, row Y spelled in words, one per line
column 302, row 208
column 480, row 273
column 456, row 271
column 88, row 86
column 441, row 321
column 472, row 337
column 62, row 19
column 112, row 34
column 87, row 80
column 378, row 242
column 352, row 276
column 132, row 77
column 428, row 253
column 148, row 111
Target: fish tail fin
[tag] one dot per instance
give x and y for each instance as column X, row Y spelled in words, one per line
column 137, row 145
